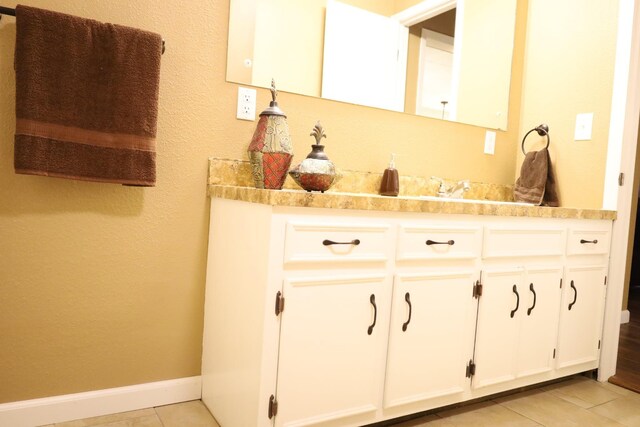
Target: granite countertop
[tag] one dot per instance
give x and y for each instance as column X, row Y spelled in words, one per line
column 242, row 190
column 361, row 201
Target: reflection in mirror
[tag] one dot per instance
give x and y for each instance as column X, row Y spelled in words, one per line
column 445, row 59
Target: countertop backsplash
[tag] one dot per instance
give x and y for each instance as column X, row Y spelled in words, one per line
column 238, row 173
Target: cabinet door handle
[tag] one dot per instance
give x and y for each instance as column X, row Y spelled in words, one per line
column 354, row 242
column 433, row 242
column 372, row 300
column 575, row 296
column 515, row 291
column 530, row 309
column 595, row 241
column 407, row 298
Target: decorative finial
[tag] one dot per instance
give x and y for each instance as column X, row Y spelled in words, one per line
column 318, row 132
column 274, row 92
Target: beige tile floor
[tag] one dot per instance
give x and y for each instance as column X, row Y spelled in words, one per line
column 186, row 414
column 578, row 401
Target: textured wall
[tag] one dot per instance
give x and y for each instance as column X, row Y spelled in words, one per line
column 570, row 56
column 102, row 285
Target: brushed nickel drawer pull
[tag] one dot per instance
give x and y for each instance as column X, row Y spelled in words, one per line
column 433, row 242
column 372, row 300
column 515, row 291
column 595, row 241
column 407, row 298
column 575, row 296
column 354, row 242
column 535, row 297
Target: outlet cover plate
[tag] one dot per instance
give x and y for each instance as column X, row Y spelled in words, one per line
column 490, row 142
column 584, row 126
column 246, row 104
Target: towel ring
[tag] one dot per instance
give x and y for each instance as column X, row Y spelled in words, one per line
column 542, row 131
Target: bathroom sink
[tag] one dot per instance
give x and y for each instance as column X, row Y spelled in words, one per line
column 485, row 202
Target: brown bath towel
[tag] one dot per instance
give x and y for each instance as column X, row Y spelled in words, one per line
column 86, row 98
column 537, row 183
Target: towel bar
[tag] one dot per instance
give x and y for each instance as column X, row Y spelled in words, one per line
column 542, row 131
column 12, row 12
column 7, row 11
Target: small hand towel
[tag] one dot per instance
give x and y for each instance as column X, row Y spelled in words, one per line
column 537, row 183
column 86, row 98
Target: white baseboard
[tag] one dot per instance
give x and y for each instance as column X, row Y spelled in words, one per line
column 49, row 410
column 625, row 316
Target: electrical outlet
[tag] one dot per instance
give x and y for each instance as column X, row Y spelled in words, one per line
column 489, row 142
column 246, row 104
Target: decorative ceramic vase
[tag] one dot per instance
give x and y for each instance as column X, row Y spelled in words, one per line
column 270, row 151
column 316, row 172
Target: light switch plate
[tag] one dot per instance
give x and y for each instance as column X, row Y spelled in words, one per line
column 584, row 126
column 489, row 142
column 246, row 104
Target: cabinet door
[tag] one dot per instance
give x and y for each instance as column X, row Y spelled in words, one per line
column 332, row 348
column 431, row 336
column 539, row 312
column 498, row 326
column 581, row 315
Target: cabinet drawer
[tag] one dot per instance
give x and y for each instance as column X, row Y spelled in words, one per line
column 584, row 241
column 506, row 242
column 417, row 242
column 327, row 242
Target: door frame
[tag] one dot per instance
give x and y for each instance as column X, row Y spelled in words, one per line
column 621, row 156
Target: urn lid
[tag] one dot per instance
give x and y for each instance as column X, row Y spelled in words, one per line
column 317, row 150
column 273, row 109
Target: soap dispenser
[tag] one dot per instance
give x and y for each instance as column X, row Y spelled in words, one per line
column 390, row 185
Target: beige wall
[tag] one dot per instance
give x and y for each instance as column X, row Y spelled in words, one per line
column 400, row 5
column 102, row 285
column 570, row 54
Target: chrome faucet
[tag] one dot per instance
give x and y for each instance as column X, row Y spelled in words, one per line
column 455, row 191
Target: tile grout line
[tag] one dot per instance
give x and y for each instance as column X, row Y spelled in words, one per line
column 158, row 416
column 515, row 412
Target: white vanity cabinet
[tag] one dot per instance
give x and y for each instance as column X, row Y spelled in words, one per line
column 332, row 348
column 329, row 317
column 584, row 291
column 335, row 320
column 517, row 324
column 519, row 307
column 433, row 314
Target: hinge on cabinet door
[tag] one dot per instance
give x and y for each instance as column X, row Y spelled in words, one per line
column 477, row 289
column 471, row 369
column 273, row 406
column 621, row 179
column 279, row 303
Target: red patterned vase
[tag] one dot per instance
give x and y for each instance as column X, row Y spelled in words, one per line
column 270, row 151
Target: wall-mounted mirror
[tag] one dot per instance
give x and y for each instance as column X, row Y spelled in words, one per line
column 447, row 59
